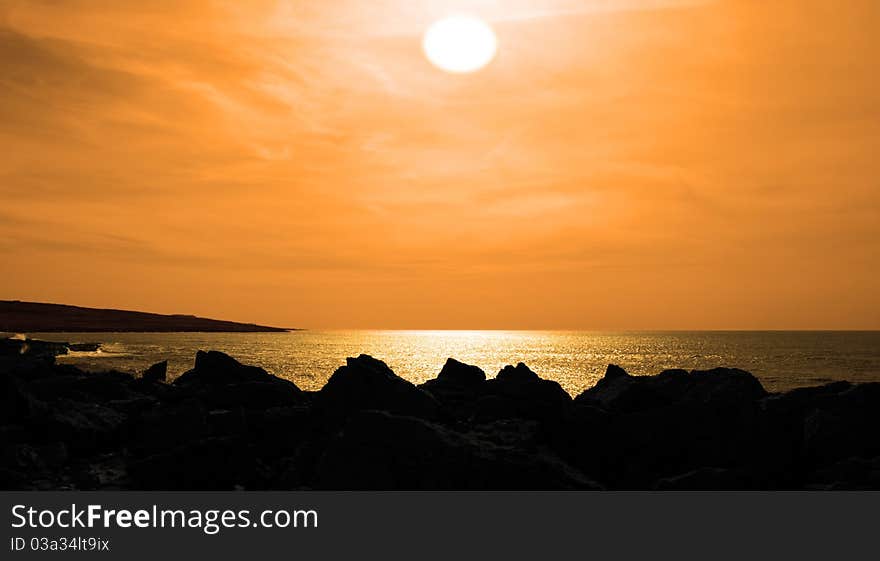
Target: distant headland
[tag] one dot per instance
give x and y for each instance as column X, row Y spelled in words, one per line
column 36, row 317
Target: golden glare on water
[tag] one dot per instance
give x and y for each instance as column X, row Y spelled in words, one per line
column 460, row 44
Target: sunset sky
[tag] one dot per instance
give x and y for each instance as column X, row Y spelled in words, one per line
column 633, row 164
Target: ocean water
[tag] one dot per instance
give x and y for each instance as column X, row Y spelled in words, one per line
column 781, row 360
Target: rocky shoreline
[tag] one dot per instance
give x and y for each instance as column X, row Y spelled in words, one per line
column 47, row 349
column 224, row 425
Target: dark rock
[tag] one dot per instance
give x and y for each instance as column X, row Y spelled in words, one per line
column 780, row 440
column 517, row 375
column 367, row 383
column 53, row 454
column 13, row 434
column 800, row 401
column 208, row 464
column 519, row 392
column 377, row 450
column 21, row 457
column 583, row 440
column 223, row 382
column 613, row 372
column 844, row 425
column 12, row 480
column 104, row 472
column 157, row 372
column 493, row 407
column 461, row 374
column 620, row 392
column 12, row 347
column 105, row 386
column 616, row 387
column 96, row 387
column 720, row 386
column 665, row 425
column 705, row 479
column 278, row 431
column 227, row 422
column 170, row 425
column 33, row 458
column 133, row 406
column 160, row 391
column 17, row 404
column 457, row 388
column 224, row 424
column 522, row 384
column 27, row 368
column 84, row 347
column 216, row 368
column 848, row 474
column 522, row 434
column 84, row 427
column 252, row 395
column 32, row 348
column 287, row 473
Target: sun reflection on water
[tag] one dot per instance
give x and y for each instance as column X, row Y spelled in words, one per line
column 575, row 359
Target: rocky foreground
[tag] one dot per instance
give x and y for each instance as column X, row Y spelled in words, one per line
column 224, row 425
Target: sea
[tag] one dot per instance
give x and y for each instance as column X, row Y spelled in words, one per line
column 781, row 360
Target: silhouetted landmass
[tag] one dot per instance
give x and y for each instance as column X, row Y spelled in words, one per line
column 224, row 425
column 34, row 317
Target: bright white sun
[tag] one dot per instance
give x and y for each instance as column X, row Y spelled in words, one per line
column 460, row 44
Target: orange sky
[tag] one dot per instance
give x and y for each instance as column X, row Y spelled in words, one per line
column 640, row 164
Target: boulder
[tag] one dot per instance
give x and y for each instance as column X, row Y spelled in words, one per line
column 582, row 439
column 10, row 347
column 377, row 450
column 461, row 374
column 13, row 480
column 34, row 459
column 457, row 388
column 13, row 434
column 17, row 404
column 171, row 424
column 216, row 368
column 157, row 372
column 222, row 383
column 718, row 387
column 612, row 390
column 843, row 425
column 517, row 392
column 227, row 422
column 848, row 474
column 133, row 406
column 673, row 423
column 34, row 348
column 723, row 386
column 253, row 395
column 98, row 387
column 84, row 427
column 780, row 440
column 797, row 403
column 278, row 431
column 522, row 434
column 367, row 383
column 27, row 367
column 208, row 464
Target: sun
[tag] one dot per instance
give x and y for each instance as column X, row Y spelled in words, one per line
column 460, row 44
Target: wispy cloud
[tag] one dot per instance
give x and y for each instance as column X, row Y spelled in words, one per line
column 309, row 147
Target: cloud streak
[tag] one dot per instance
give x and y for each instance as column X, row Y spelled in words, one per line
column 305, row 162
